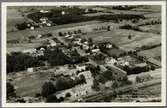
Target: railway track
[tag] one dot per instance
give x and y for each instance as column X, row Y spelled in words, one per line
column 100, row 96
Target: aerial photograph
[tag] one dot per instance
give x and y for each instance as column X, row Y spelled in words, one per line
column 80, row 53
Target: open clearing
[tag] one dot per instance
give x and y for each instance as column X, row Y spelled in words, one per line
column 30, row 84
column 13, row 17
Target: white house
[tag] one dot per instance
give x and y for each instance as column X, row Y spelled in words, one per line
column 32, row 28
column 95, row 50
column 48, row 24
column 85, row 47
column 30, row 70
column 43, row 20
column 39, row 36
column 108, row 46
column 81, row 67
column 63, row 12
column 111, row 61
column 44, row 11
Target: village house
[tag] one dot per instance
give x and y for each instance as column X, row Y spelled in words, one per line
column 44, row 11
column 81, row 67
column 110, row 60
column 43, row 20
column 32, row 28
column 95, row 50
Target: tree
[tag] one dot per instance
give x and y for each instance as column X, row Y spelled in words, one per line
column 10, row 90
column 95, row 85
column 60, row 34
column 51, row 98
column 68, row 94
column 47, row 89
column 108, row 28
column 61, row 99
column 98, row 68
column 82, row 78
column 115, row 84
column 90, row 40
column 129, row 37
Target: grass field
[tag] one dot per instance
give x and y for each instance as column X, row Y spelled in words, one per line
column 30, row 84
column 13, row 17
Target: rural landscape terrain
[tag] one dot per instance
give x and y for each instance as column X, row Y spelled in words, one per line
column 83, row 54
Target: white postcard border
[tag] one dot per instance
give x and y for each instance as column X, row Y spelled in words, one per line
column 129, row 104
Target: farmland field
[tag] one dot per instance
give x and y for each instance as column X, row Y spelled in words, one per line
column 152, row 28
column 120, row 37
column 30, row 84
column 155, row 52
column 14, row 17
column 97, row 52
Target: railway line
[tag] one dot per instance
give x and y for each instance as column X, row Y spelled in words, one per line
column 102, row 95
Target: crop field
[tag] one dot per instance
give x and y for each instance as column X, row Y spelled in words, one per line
column 21, row 47
column 151, row 28
column 97, row 14
column 153, row 15
column 120, row 38
column 155, row 52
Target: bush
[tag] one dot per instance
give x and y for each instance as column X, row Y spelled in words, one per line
column 82, row 79
column 47, row 89
column 115, row 84
column 61, row 99
column 51, row 98
column 68, row 94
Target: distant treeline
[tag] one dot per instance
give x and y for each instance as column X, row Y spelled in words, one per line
column 18, row 61
column 125, row 7
column 74, row 15
column 130, row 27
